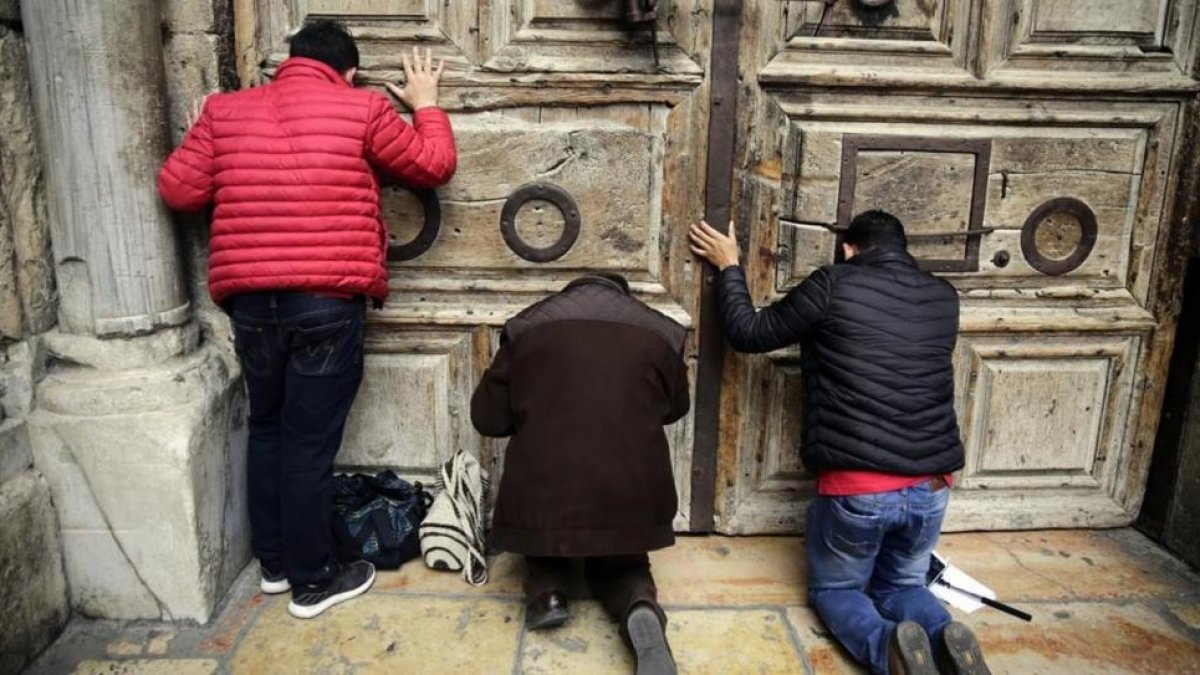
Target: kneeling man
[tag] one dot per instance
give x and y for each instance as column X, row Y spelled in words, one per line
column 584, row 382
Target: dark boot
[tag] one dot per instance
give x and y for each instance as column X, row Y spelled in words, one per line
column 649, row 642
column 548, row 610
column 960, row 653
column 909, row 652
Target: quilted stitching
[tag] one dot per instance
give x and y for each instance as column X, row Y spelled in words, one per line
column 596, row 302
column 289, row 166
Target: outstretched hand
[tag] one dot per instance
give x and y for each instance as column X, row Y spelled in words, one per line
column 421, row 80
column 719, row 249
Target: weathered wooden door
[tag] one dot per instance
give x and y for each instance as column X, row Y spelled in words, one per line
column 1032, row 147
column 578, row 151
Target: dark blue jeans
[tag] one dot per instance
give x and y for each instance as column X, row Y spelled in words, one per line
column 302, row 357
column 867, row 559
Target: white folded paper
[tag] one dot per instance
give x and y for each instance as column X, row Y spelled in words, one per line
column 953, row 576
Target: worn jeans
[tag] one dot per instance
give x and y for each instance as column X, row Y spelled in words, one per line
column 867, row 560
column 302, row 357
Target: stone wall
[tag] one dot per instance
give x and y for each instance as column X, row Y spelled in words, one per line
column 199, row 56
column 33, row 589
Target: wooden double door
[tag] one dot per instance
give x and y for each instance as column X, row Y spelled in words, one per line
column 1032, row 147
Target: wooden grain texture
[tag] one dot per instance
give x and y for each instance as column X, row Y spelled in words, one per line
column 560, row 93
column 1059, row 378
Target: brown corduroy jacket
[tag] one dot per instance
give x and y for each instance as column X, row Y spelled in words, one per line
column 584, row 382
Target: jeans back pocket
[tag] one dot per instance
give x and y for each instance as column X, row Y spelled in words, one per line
column 855, row 529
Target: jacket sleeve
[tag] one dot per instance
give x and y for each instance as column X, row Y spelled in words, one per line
column 185, row 181
column 491, row 408
column 784, row 323
column 421, row 154
column 678, row 389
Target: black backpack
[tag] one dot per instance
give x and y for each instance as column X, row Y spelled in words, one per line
column 375, row 518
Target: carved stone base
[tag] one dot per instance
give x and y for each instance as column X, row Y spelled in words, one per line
column 147, row 468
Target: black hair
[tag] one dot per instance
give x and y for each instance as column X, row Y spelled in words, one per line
column 616, row 279
column 876, row 229
column 328, row 42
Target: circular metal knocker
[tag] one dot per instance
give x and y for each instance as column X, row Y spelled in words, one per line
column 1059, row 236
column 557, row 196
column 429, row 229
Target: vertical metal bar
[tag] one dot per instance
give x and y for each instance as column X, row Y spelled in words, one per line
column 722, row 137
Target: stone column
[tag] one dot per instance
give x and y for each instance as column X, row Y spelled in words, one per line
column 139, row 425
column 99, row 91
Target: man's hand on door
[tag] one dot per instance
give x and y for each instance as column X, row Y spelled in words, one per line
column 719, row 249
column 421, row 80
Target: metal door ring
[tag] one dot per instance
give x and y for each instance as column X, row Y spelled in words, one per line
column 430, row 230
column 1041, row 260
column 557, row 196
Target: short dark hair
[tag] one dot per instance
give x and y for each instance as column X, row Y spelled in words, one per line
column 876, row 229
column 328, row 42
column 616, row 279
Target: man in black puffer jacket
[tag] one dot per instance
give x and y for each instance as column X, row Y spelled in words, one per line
column 877, row 336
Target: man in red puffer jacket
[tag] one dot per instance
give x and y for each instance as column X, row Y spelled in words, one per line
column 297, row 248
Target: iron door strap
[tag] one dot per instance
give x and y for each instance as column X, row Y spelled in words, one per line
column 718, row 192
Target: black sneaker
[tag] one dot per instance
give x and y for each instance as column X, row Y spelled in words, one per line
column 909, row 652
column 649, row 642
column 350, row 581
column 274, row 580
column 961, row 653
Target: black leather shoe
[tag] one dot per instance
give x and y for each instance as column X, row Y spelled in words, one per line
column 548, row 610
column 909, row 652
column 960, row 652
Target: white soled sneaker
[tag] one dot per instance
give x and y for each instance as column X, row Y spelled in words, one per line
column 274, row 579
column 350, row 581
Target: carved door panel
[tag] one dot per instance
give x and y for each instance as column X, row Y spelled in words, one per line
column 577, row 152
column 1031, row 147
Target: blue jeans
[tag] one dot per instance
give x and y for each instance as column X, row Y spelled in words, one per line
column 867, row 560
column 302, row 357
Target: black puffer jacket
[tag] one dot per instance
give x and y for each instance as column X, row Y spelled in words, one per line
column 877, row 336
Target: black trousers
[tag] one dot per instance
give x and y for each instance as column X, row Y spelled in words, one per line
column 302, row 357
column 619, row 582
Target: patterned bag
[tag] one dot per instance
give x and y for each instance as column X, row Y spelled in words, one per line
column 452, row 534
column 375, row 518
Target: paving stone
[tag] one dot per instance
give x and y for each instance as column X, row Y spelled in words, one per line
column 506, row 574
column 149, row 667
column 1084, row 638
column 731, row 571
column 385, row 633
column 824, row 655
column 588, row 644
column 1060, row 565
column 1188, row 613
column 233, row 621
column 732, row 641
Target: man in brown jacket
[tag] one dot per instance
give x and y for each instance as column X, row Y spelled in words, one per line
column 584, row 382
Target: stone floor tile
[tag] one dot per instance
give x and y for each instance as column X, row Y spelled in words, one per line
column 1084, row 637
column 725, row 641
column 385, row 633
column 1187, row 613
column 506, row 573
column 1060, row 565
column 824, row 655
column 149, row 667
column 588, row 644
column 232, row 622
column 731, row 571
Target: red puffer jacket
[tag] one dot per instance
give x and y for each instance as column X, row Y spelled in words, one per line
column 289, row 166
